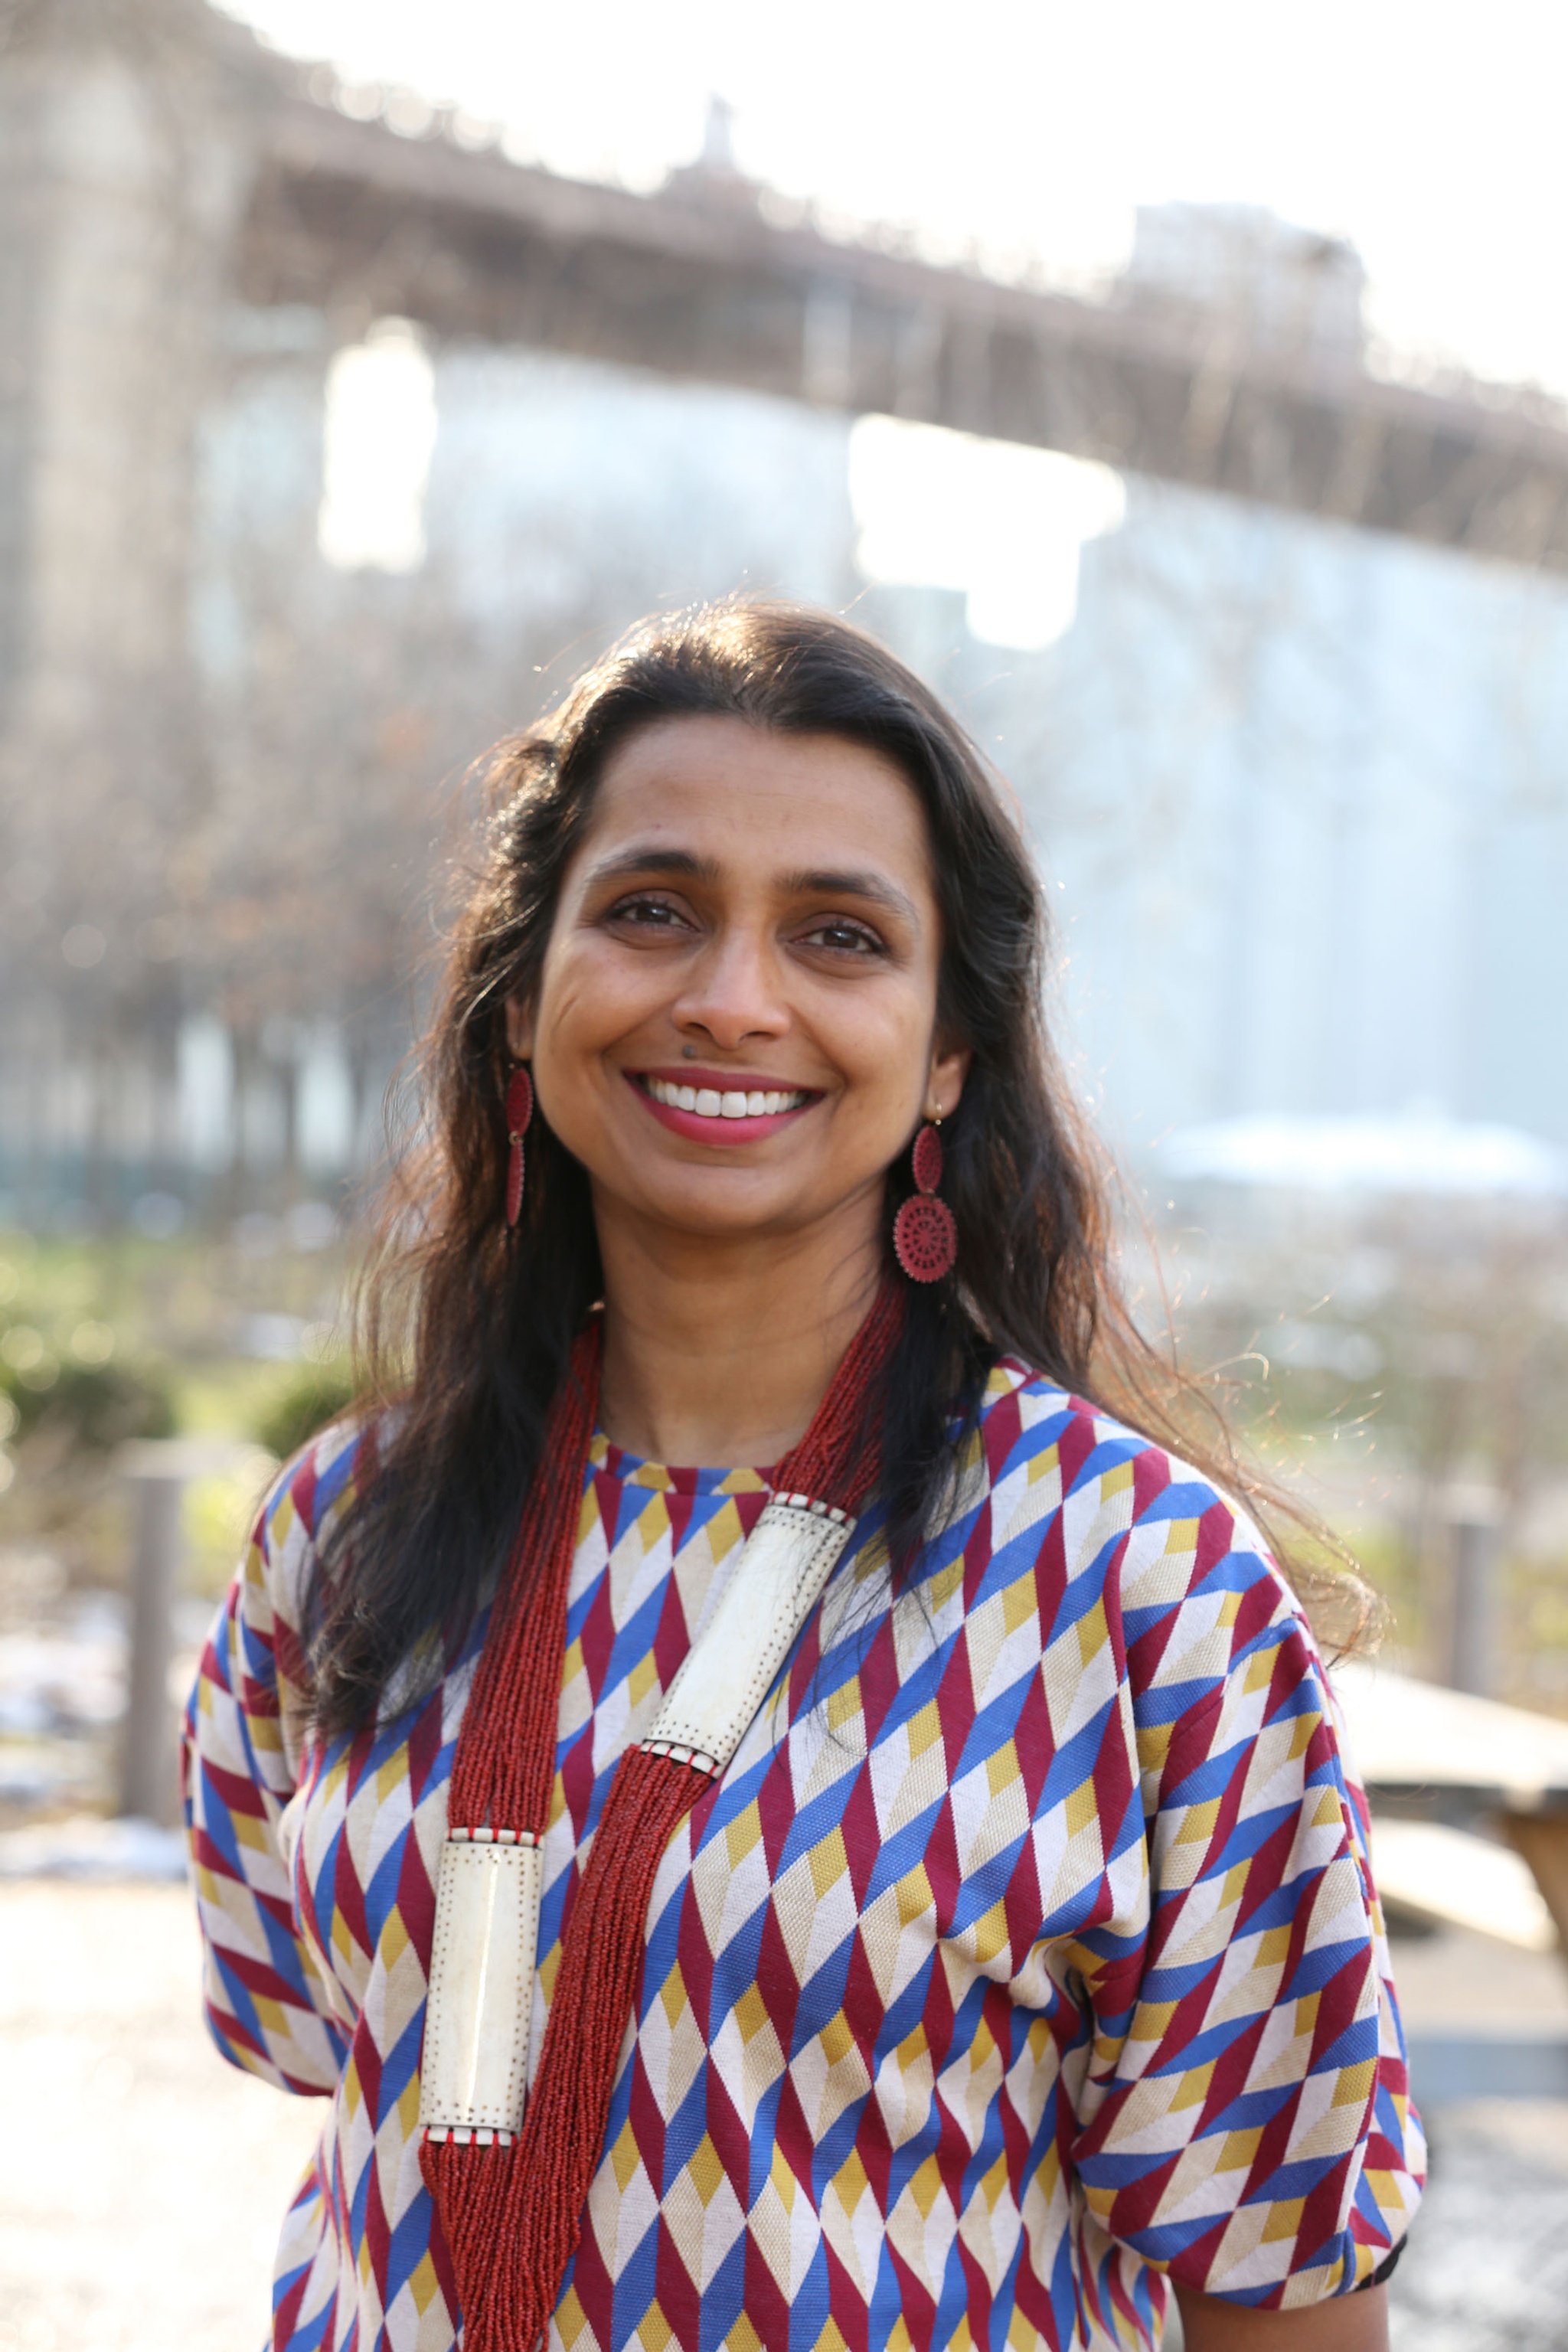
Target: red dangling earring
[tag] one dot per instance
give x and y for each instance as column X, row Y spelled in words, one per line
column 519, row 1111
column 925, row 1238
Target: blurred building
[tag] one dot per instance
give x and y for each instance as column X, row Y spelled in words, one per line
column 332, row 445
column 1305, row 793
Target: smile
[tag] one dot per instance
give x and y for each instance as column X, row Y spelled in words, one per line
column 708, row 1102
column 720, row 1115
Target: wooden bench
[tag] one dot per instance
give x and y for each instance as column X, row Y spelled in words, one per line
column 1473, row 1757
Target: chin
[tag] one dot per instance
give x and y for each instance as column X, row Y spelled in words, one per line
column 726, row 1221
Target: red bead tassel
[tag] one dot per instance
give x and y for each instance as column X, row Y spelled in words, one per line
column 507, row 1782
column 472, row 2188
column 595, row 1995
column 528, row 2199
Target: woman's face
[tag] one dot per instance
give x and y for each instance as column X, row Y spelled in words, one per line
column 735, row 1029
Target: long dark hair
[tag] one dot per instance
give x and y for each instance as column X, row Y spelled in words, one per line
column 467, row 1327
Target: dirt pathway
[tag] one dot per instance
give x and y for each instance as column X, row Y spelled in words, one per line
column 141, row 2179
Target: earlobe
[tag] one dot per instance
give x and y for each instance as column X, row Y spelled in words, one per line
column 945, row 1087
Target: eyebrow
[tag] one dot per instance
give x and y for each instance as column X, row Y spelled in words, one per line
column 805, row 882
column 655, row 861
column 849, row 882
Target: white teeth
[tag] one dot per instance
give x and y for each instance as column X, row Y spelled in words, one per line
column 708, row 1102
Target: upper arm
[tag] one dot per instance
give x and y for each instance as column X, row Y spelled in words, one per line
column 1245, row 2122
column 1360, row 2325
column 266, row 2004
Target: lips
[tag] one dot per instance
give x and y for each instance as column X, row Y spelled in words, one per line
column 718, row 1106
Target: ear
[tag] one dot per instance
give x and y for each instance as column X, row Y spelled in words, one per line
column 518, row 1029
column 945, row 1087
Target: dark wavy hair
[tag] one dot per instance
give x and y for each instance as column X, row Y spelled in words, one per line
column 466, row 1327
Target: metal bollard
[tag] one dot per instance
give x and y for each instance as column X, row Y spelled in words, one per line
column 159, row 1469
column 1474, row 1515
column 149, row 1786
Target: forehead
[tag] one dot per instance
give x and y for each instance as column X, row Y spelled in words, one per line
column 745, row 795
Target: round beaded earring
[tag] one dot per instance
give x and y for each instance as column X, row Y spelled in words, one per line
column 925, row 1238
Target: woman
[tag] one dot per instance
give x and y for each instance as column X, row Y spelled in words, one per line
column 932, row 1913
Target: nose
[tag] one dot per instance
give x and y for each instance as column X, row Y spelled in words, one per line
column 732, row 991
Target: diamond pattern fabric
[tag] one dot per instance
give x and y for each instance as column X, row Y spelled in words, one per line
column 1026, row 1955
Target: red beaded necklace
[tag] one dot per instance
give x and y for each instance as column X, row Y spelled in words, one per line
column 510, row 2205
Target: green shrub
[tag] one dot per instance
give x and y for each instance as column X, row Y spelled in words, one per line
column 97, row 1406
column 314, row 1397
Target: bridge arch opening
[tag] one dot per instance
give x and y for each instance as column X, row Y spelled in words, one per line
column 379, row 430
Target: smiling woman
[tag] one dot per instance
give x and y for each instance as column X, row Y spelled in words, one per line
column 896, row 1880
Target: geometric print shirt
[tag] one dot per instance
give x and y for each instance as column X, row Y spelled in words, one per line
column 1026, row 1955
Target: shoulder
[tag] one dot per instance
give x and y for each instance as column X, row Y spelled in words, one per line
column 308, row 1499
column 1093, row 1498
column 1035, row 1433
column 1149, row 1589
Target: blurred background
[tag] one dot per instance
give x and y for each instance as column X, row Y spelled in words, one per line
column 1184, row 394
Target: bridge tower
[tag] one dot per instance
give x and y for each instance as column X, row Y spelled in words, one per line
column 126, row 132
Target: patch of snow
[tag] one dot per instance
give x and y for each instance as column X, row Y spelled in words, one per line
column 1416, row 1153
column 87, row 1847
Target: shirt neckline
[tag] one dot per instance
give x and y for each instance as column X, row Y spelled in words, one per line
column 608, row 1460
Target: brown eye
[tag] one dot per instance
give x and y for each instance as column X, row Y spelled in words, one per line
column 842, row 937
column 648, row 914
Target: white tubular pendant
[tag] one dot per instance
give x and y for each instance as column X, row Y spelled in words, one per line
column 473, row 2077
column 792, row 1553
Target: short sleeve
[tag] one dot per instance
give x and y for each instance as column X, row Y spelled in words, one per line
column 1245, row 2122
column 266, row 2006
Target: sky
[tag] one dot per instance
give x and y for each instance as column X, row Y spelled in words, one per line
column 1430, row 134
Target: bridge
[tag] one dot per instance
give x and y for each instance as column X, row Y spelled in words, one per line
column 700, row 281
column 710, row 279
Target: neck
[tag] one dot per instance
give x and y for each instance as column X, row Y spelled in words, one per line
column 716, row 1354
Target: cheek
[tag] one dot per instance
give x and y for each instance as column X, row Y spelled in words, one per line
column 583, row 999
column 881, row 1041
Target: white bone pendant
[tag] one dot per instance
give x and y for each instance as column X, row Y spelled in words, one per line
column 473, row 2075
column 792, row 1553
